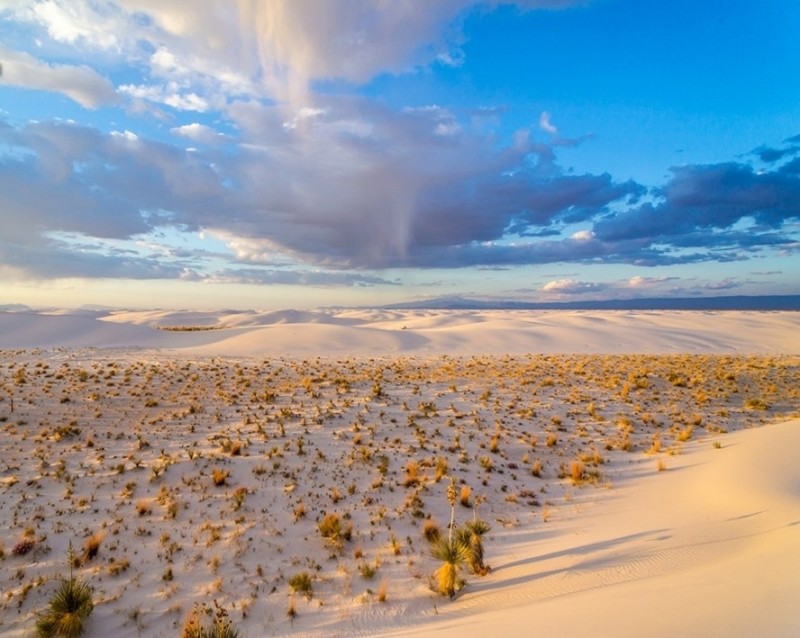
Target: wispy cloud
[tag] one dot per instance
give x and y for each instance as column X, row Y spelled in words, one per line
column 546, row 125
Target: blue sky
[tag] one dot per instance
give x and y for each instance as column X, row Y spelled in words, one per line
column 303, row 153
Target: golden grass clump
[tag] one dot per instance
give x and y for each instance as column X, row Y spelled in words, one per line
column 219, row 476
column 465, row 496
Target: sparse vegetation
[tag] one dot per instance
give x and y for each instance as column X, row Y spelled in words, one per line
column 205, row 622
column 291, row 458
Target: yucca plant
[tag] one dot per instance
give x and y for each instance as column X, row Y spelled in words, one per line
column 453, row 552
column 471, row 535
column 69, row 608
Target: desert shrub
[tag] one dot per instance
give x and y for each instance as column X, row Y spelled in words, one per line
column 330, row 526
column 118, row 566
column 441, row 469
column 367, row 570
column 219, row 476
column 756, row 404
column 430, row 530
column 465, row 496
column 238, row 497
column 92, row 546
column 577, row 471
column 68, row 609
column 412, row 474
column 220, row 626
column 23, row 546
column 301, row 583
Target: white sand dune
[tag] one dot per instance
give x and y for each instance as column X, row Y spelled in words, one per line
column 304, row 333
column 707, row 547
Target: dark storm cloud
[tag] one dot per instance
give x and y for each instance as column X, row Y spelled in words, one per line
column 705, row 198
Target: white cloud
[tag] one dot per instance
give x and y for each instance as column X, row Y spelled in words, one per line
column 571, row 287
column 583, row 235
column 275, row 48
column 199, row 133
column 79, row 83
column 545, row 124
column 126, row 135
column 170, row 95
column 303, row 114
column 78, row 21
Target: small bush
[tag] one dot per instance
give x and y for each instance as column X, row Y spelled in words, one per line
column 464, row 496
column 576, row 471
column 412, row 474
column 367, row 570
column 430, row 530
column 756, row 404
column 331, row 528
column 220, row 477
column 220, row 626
column 301, row 583
column 92, row 546
column 23, row 546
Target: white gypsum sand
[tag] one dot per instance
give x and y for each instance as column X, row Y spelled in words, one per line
column 626, row 494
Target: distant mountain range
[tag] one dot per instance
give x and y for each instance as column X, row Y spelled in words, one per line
column 742, row 302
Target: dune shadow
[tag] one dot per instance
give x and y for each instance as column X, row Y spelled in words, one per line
column 583, row 549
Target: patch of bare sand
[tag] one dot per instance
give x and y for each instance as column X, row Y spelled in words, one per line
column 378, row 332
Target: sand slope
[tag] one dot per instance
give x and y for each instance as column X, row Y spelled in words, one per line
column 707, row 548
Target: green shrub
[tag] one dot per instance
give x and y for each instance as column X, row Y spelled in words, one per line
column 69, row 608
column 301, row 583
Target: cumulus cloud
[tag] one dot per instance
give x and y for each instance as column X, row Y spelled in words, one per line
column 349, row 189
column 571, row 287
column 703, row 204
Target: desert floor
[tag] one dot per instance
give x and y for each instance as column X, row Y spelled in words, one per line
column 627, row 493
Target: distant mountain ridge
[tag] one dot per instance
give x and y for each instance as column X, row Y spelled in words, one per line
column 740, row 302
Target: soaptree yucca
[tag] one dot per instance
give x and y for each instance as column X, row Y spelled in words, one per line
column 69, row 608
column 471, row 535
column 453, row 552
